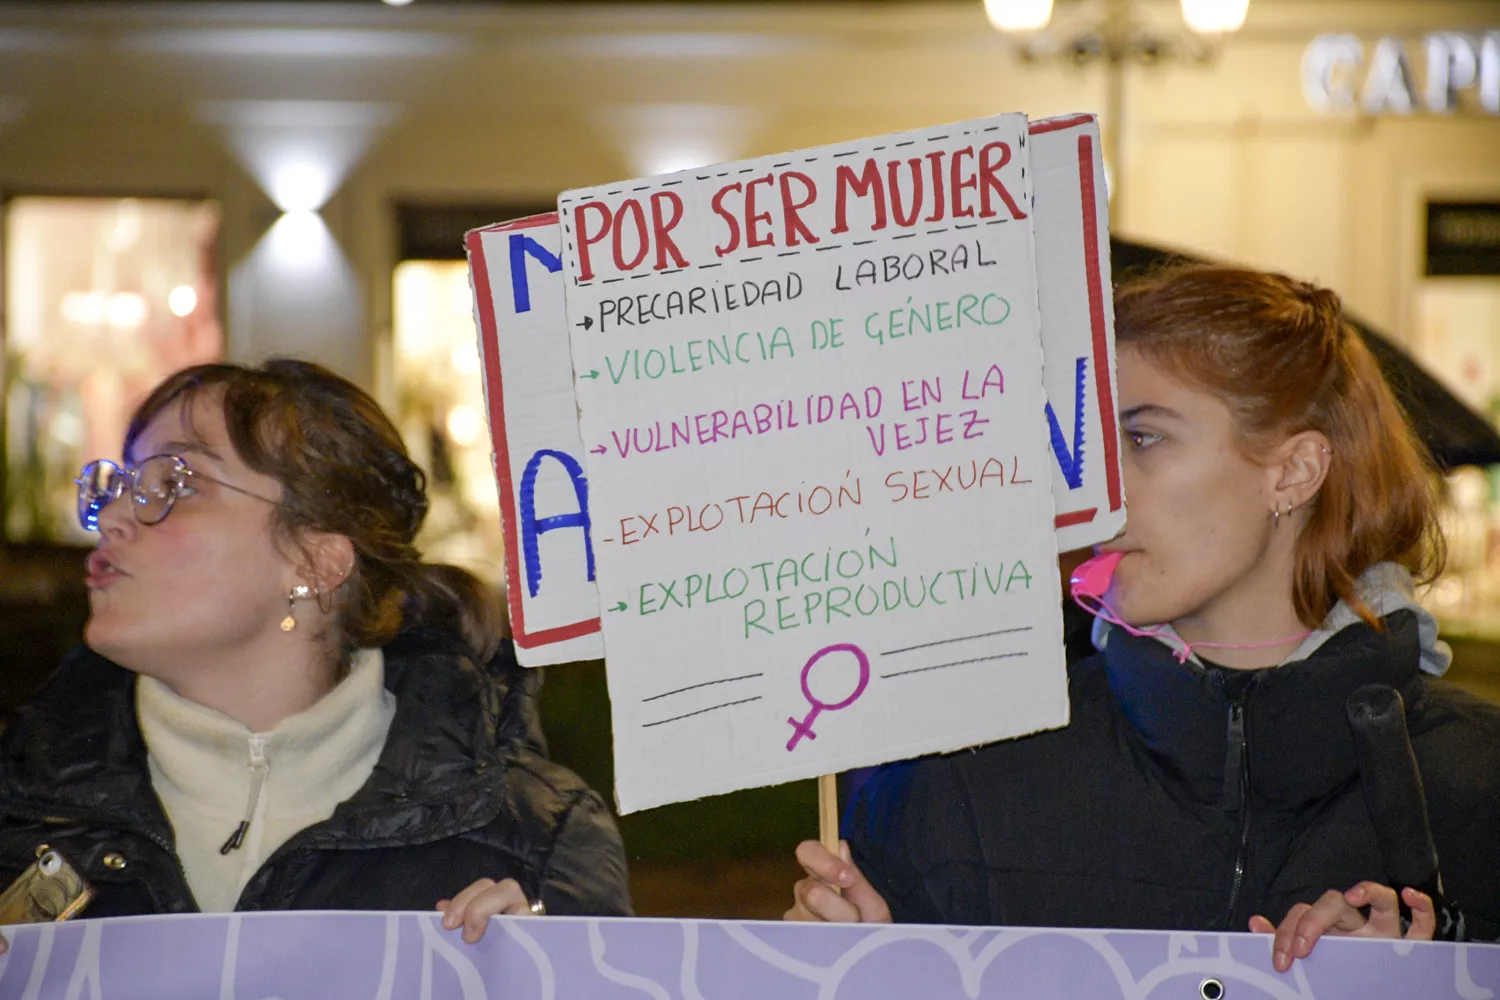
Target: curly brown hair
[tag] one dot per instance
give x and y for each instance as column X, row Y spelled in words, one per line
column 343, row 469
column 1282, row 356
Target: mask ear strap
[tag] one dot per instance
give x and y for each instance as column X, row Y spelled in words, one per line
column 1097, row 607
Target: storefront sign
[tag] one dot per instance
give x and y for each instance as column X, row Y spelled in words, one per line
column 364, row 956
column 1340, row 74
column 1463, row 238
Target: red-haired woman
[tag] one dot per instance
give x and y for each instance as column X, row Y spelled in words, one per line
column 280, row 705
column 1279, row 510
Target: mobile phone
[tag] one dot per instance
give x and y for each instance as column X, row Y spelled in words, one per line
column 49, row 890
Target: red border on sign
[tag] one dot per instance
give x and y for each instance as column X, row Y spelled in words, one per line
column 489, row 342
column 1096, row 291
column 1058, row 124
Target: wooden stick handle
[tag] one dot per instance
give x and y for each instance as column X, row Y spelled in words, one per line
column 828, row 811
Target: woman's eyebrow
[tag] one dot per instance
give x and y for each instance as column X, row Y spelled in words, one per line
column 190, row 447
column 1150, row 410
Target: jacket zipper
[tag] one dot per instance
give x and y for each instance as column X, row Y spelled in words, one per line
column 258, row 769
column 1236, row 796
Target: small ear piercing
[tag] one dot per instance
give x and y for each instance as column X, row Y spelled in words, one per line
column 301, row 592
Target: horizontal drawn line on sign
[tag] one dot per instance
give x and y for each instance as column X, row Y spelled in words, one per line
column 934, row 232
column 851, row 152
column 778, row 166
column 863, row 243
column 715, row 708
column 704, row 267
column 938, row 138
column 694, row 687
column 643, row 187
column 971, row 225
column 904, row 236
column 955, row 663
column 908, row 142
column 833, row 246
column 747, row 260
column 611, row 281
column 667, row 184
column 789, row 253
column 617, row 191
column 961, row 638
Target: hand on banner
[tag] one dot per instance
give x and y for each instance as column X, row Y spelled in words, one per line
column 473, row 907
column 817, row 900
column 1340, row 913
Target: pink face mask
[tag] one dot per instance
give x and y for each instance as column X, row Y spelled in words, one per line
column 1090, row 582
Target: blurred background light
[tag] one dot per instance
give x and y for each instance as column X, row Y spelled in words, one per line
column 182, row 300
column 1018, row 15
column 1215, row 17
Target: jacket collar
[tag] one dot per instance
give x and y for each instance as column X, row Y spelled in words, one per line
column 76, row 750
column 1297, row 732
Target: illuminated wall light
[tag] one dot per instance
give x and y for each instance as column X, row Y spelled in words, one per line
column 465, row 425
column 300, row 186
column 299, row 240
column 1018, row 15
column 396, row 3
column 182, row 300
column 1215, row 17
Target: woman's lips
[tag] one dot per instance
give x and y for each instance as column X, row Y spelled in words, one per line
column 101, row 570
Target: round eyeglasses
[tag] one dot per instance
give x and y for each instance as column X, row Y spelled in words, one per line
column 154, row 485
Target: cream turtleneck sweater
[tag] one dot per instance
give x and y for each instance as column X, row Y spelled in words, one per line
column 212, row 773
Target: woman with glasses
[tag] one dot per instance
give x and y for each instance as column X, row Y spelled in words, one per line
column 280, row 705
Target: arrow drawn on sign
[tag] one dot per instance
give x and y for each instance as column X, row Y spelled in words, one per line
column 591, row 373
column 588, row 322
column 600, row 450
column 621, row 606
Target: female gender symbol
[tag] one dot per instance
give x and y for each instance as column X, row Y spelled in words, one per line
column 804, row 728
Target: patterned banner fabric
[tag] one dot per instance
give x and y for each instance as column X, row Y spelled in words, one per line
column 380, row 956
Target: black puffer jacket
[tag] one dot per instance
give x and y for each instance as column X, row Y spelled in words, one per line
column 462, row 790
column 1125, row 818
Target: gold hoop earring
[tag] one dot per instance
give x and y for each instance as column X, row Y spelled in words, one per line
column 325, row 600
column 301, row 592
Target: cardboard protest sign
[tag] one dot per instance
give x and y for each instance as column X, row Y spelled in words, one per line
column 1072, row 253
column 811, row 394
column 515, row 269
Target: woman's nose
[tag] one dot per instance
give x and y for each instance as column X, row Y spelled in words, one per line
column 115, row 519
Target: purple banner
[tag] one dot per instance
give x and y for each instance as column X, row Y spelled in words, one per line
column 381, row 956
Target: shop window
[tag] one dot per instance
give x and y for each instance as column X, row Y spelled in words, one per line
column 440, row 411
column 103, row 298
column 437, row 392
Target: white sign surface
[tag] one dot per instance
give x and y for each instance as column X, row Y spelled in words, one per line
column 516, row 272
column 1071, row 216
column 811, row 396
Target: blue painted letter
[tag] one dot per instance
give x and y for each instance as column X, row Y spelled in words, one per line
column 1071, row 464
column 533, row 527
column 520, row 246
